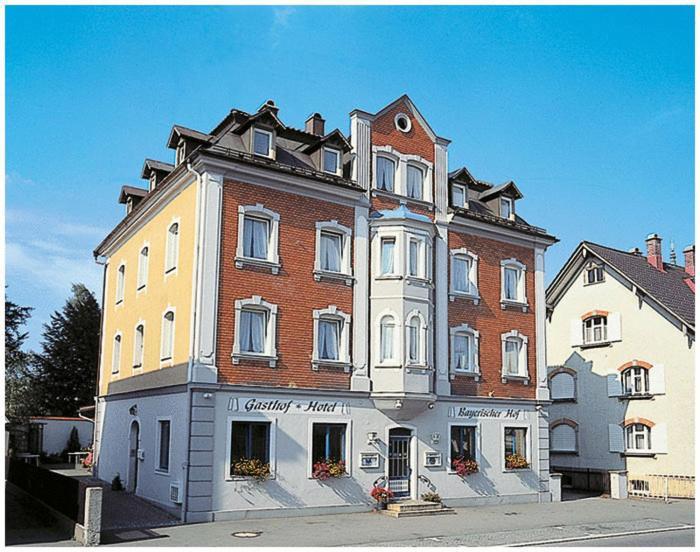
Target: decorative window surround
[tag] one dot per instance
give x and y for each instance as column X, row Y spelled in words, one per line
column 594, row 271
column 270, row 347
column 528, row 446
column 139, row 345
column 473, row 276
column 167, row 336
column 390, row 319
column 272, row 262
column 172, row 247
column 473, row 336
column 333, row 313
column 523, row 374
column 271, row 444
column 402, row 122
column 422, row 361
column 521, row 301
column 345, row 234
column 400, row 177
column 424, row 261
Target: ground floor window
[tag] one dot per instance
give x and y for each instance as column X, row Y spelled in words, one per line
column 462, row 443
column 328, row 451
column 250, row 449
column 163, row 445
column 515, row 447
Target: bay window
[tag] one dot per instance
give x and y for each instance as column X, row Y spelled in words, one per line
column 416, row 339
column 138, row 346
column 388, row 246
column 386, row 338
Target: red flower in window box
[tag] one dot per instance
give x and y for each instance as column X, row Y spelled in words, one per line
column 325, row 469
column 464, row 466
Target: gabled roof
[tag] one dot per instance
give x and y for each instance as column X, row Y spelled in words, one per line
column 499, row 190
column 668, row 288
column 153, row 165
column 462, row 174
column 179, row 131
column 132, row 191
column 334, row 136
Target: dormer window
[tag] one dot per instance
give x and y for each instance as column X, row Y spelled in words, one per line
column 507, row 210
column 459, row 196
column 331, row 161
column 262, row 142
column 179, row 154
column 414, row 182
column 152, row 181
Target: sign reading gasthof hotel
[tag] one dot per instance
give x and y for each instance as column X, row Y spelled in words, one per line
column 491, row 413
column 286, row 406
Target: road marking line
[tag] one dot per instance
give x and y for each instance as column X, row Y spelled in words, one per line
column 604, row 536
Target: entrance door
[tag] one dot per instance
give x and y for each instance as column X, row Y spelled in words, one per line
column 133, row 457
column 400, row 462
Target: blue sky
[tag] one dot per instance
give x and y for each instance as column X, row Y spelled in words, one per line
column 588, row 109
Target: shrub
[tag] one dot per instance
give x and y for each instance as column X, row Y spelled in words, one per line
column 516, row 462
column 117, row 483
column 325, row 469
column 251, row 467
column 431, row 497
column 73, row 444
column 464, row 466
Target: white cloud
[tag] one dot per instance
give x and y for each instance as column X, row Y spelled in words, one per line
column 20, row 218
column 16, row 179
column 280, row 21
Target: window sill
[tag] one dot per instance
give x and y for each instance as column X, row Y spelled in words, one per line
column 340, row 276
column 466, row 373
column 592, row 283
column 595, row 345
column 461, row 295
column 389, row 277
column 242, row 262
column 517, row 470
column 565, row 400
column 565, row 452
column 524, row 379
column 387, row 365
column 640, row 454
column 237, row 357
column 317, row 364
column 137, row 367
column 141, row 288
column 417, row 281
column 120, row 302
column 161, row 472
column 244, row 478
column 506, row 304
column 166, row 359
column 421, row 368
column 636, row 397
column 398, row 197
column 170, row 270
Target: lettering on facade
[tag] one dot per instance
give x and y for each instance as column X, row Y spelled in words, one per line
column 286, row 406
column 490, row 413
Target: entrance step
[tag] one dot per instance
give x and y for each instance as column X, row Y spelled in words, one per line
column 415, row 508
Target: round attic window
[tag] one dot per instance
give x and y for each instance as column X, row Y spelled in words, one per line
column 402, row 122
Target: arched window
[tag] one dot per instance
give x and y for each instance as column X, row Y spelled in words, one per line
column 168, row 336
column 138, row 346
column 638, row 437
column 386, row 170
column 116, row 353
column 562, row 386
column 143, row 268
column 563, row 436
column 386, row 338
column 595, row 329
column 635, row 381
column 414, row 182
column 121, row 273
column 171, row 247
column 415, row 340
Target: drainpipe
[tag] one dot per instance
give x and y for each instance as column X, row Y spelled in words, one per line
column 101, row 260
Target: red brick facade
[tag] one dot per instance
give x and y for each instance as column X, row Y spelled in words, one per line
column 414, row 142
column 293, row 290
column 490, row 320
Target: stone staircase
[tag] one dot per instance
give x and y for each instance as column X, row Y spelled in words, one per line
column 415, row 508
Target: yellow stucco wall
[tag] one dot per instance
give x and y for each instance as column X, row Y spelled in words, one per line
column 162, row 291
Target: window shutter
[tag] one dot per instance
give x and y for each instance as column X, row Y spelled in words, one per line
column 614, row 385
column 563, row 438
column 562, row 386
column 576, row 332
column 657, row 385
column 659, row 441
column 614, row 330
column 616, row 438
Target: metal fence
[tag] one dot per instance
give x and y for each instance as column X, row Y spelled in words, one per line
column 661, row 486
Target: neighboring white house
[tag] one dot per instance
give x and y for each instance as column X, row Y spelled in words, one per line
column 55, row 432
column 620, row 350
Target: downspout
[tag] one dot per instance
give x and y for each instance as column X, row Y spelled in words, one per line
column 100, row 261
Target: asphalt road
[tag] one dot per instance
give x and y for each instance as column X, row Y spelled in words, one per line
column 668, row 538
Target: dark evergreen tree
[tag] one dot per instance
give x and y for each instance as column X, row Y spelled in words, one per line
column 19, row 399
column 67, row 366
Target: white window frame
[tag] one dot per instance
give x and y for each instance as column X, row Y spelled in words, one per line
column 174, row 254
column 523, row 373
column 463, row 188
column 593, row 267
column 159, row 436
column 647, row 438
column 338, row 156
column 422, row 361
column 270, row 146
column 270, row 353
column 142, row 269
column 348, row 442
column 395, row 360
column 521, row 290
column 425, row 262
column 401, row 162
column 345, row 233
column 472, row 277
column 477, row 442
column 395, row 160
column 555, row 425
column 120, row 283
column 603, row 326
column 396, row 268
column 334, row 314
column 117, row 353
column 169, row 358
column 180, row 152
column 644, row 375
column 259, row 211
column 474, row 336
column 272, row 444
column 528, row 445
column 137, row 362
column 422, row 170
column 511, row 207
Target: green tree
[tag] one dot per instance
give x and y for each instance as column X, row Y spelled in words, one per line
column 67, row 366
column 19, row 399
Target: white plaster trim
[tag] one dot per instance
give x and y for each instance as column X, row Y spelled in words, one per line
column 138, row 366
column 465, row 329
column 422, row 340
column 401, row 161
column 165, row 360
column 117, row 358
column 360, row 311
column 272, row 444
column 473, row 276
column 142, row 275
column 395, row 359
column 405, row 118
column 521, row 301
column 333, row 313
column 173, row 268
column 120, row 287
column 477, row 443
column 273, row 220
column 528, row 445
column 270, row 353
column 522, row 357
column 271, row 142
column 345, row 234
column 339, row 160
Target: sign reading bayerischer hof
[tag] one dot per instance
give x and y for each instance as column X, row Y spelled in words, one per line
column 286, row 406
column 490, row 413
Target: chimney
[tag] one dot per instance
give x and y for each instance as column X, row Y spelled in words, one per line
column 672, row 257
column 689, row 254
column 315, row 125
column 654, row 252
column 635, row 251
column 269, row 104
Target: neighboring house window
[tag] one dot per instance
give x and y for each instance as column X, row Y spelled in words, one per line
column 465, row 349
column 562, row 386
column 513, row 281
column 121, row 271
column 258, row 236
column 331, row 161
column 414, row 182
column 386, row 338
column 595, row 329
column 262, row 142
column 463, row 278
column 386, row 169
column 506, row 205
column 388, row 247
column 168, row 336
column 143, row 268
column 163, row 445
column 331, row 337
column 333, row 243
column 515, row 441
column 514, row 354
column 250, row 441
column 255, row 330
column 116, row 353
column 328, row 442
column 462, row 443
column 635, row 381
column 171, row 247
column 138, row 346
column 638, row 438
column 563, row 437
column 594, row 274
column 459, row 196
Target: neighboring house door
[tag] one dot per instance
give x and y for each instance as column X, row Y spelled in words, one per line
column 400, row 462
column 132, row 482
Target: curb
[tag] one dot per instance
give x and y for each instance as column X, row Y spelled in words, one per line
column 603, row 536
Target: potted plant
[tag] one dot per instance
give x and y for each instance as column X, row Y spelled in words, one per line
column 464, row 466
column 251, row 467
column 516, row 462
column 382, row 495
column 431, row 497
column 325, row 469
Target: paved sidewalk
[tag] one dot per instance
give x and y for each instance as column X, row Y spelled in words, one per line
column 27, row 522
column 484, row 526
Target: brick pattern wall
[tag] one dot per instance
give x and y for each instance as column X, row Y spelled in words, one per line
column 293, row 290
column 491, row 321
